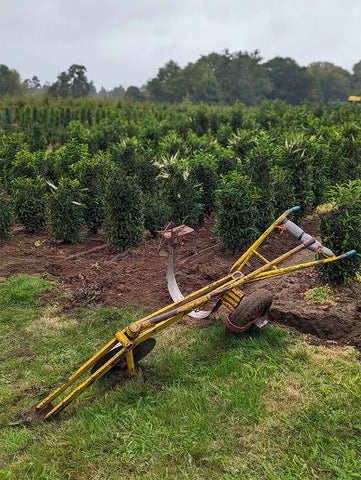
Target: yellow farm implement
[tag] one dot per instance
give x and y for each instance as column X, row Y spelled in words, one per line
column 136, row 340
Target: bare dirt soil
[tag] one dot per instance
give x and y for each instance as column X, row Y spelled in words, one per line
column 92, row 273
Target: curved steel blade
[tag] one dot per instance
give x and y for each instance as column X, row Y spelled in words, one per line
column 174, row 290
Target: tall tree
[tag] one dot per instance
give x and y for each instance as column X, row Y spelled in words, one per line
column 356, row 79
column 334, row 81
column 72, row 83
column 79, row 85
column 133, row 94
column 9, row 81
column 244, row 78
column 290, row 82
column 161, row 87
column 32, row 84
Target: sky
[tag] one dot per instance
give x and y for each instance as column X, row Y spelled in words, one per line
column 125, row 42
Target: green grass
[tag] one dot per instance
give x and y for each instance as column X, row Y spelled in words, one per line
column 203, row 406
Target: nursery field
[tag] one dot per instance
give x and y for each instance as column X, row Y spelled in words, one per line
column 84, row 188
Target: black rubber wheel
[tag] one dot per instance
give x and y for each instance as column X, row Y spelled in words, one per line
column 252, row 307
column 139, row 352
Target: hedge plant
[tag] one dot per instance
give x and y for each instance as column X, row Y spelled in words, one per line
column 157, row 213
column 341, row 232
column 182, row 192
column 6, row 216
column 237, row 214
column 124, row 220
column 90, row 173
column 65, row 211
column 29, row 199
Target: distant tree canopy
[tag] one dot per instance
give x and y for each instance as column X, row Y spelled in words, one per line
column 290, row 82
column 334, row 82
column 214, row 79
column 356, row 79
column 72, row 83
column 228, row 77
column 9, row 81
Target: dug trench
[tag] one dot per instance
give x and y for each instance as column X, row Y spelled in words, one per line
column 92, row 273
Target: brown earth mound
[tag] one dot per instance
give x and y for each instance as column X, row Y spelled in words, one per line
column 93, row 273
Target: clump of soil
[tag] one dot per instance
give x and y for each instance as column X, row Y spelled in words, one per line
column 93, row 273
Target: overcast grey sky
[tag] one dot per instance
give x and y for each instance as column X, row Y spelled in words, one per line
column 125, row 42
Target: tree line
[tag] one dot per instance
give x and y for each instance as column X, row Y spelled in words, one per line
column 214, row 79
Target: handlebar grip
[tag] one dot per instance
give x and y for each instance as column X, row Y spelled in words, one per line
column 351, row 253
column 300, row 235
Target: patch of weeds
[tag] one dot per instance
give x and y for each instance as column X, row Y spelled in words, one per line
column 324, row 295
column 323, row 208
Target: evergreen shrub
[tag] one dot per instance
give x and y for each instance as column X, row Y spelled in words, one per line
column 341, row 232
column 237, row 214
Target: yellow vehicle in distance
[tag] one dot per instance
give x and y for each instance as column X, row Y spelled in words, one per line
column 354, row 99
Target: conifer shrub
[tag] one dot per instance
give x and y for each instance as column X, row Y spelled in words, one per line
column 341, row 232
column 29, row 199
column 236, row 213
column 124, row 219
column 6, row 216
column 65, row 211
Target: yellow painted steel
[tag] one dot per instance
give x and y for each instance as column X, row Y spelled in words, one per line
column 226, row 288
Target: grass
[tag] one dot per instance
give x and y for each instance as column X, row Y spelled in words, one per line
column 203, row 406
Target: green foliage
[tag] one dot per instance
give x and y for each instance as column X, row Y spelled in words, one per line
column 236, row 200
column 157, row 213
column 258, row 165
column 297, row 158
column 341, row 232
column 319, row 295
column 28, row 164
column 10, row 145
column 30, row 202
column 290, row 82
column 72, row 83
column 283, row 190
column 203, row 167
column 181, row 192
column 90, row 173
column 334, row 82
column 72, row 152
column 65, row 211
column 124, row 213
column 6, row 216
column 9, row 81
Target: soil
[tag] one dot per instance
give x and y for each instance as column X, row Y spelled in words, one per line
column 93, row 273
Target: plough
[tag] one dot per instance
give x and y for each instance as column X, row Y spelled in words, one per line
column 135, row 341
